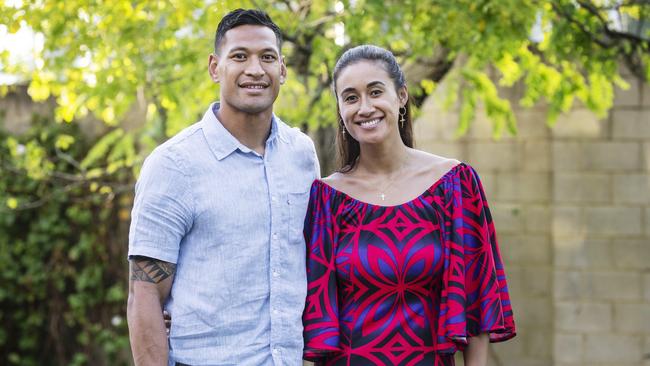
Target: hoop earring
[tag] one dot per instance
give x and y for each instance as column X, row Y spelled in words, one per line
column 402, row 116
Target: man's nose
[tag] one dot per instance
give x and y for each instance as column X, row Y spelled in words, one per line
column 254, row 67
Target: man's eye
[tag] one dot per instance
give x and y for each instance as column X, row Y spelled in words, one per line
column 239, row 56
column 268, row 57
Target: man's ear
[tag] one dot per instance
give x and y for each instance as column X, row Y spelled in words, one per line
column 213, row 62
column 283, row 70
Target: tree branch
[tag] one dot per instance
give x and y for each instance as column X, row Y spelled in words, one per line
column 616, row 6
column 581, row 26
column 592, row 9
column 322, row 86
column 434, row 68
column 289, row 5
column 69, row 159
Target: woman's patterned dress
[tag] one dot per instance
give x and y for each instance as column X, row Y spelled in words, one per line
column 406, row 284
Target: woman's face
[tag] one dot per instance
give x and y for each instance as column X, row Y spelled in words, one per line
column 368, row 102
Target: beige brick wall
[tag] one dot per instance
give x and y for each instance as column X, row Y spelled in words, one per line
column 572, row 209
column 17, row 110
column 518, row 180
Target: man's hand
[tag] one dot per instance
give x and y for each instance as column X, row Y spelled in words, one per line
column 149, row 286
column 168, row 321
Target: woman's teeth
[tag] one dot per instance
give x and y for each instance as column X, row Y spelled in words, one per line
column 370, row 123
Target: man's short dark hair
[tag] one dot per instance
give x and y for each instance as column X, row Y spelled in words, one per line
column 245, row 17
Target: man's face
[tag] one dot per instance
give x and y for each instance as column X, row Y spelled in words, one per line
column 249, row 68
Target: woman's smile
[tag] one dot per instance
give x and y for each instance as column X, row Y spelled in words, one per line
column 369, row 124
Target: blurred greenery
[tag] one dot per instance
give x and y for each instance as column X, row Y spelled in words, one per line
column 61, row 252
column 140, row 69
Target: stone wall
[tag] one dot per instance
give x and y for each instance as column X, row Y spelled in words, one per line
column 17, row 110
column 571, row 206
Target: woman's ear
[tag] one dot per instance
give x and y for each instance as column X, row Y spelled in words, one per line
column 403, row 96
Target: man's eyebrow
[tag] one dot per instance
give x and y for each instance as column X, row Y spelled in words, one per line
column 263, row 50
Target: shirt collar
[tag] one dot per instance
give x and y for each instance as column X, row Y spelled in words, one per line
column 222, row 142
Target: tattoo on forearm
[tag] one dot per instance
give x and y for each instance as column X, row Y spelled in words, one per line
column 151, row 270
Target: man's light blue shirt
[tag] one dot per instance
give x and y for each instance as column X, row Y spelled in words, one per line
column 231, row 219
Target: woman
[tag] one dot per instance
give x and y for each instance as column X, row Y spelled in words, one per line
column 403, row 264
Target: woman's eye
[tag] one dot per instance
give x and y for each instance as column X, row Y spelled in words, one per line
column 350, row 98
column 375, row 92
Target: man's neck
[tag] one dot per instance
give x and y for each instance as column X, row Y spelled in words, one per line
column 251, row 130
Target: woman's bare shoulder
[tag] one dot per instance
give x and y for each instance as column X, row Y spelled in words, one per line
column 339, row 181
column 429, row 161
column 332, row 178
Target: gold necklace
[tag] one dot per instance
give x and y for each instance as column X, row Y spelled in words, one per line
column 383, row 189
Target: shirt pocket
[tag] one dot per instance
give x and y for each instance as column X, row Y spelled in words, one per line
column 297, row 203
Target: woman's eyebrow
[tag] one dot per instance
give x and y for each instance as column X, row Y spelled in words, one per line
column 369, row 85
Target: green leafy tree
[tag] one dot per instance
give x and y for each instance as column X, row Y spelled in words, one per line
column 109, row 58
column 140, row 68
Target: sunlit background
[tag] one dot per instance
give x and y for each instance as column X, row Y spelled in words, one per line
column 548, row 100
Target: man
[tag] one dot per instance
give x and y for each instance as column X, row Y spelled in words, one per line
column 216, row 231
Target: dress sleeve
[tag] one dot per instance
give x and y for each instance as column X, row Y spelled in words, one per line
column 474, row 296
column 321, row 315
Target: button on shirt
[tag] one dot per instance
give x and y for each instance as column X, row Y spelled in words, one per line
column 231, row 219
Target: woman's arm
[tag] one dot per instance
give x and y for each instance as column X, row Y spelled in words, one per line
column 476, row 352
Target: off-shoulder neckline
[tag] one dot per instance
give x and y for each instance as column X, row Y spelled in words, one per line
column 432, row 187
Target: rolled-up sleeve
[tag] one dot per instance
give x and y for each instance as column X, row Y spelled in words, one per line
column 163, row 208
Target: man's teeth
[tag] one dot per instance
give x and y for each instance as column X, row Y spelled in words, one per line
column 254, row 87
column 372, row 122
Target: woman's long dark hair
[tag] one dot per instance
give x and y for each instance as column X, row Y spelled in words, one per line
column 348, row 148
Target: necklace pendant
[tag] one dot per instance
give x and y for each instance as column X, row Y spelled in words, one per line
column 383, row 196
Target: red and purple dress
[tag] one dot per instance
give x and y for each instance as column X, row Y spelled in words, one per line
column 405, row 284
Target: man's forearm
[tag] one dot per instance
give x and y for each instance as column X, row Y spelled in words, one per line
column 149, row 286
column 147, row 331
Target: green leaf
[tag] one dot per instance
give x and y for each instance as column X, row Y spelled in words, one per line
column 102, row 147
column 12, row 203
column 64, row 141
